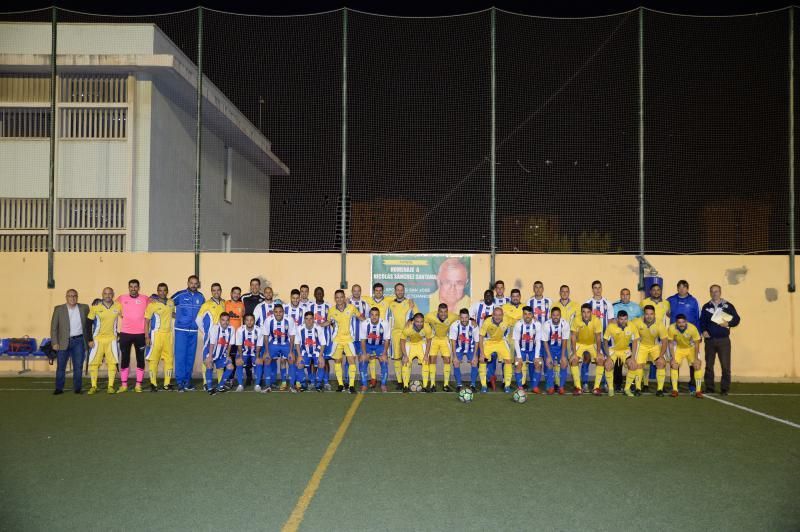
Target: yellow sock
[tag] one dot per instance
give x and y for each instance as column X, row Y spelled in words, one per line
column 610, row 379
column 446, row 371
column 524, row 374
column 203, row 373
column 598, row 376
column 400, row 372
column 351, row 374
column 406, row 373
column 153, row 370
column 432, row 370
column 661, row 376
column 218, row 372
column 482, row 373
column 425, row 371
column 673, row 375
column 337, row 369
column 629, row 378
column 93, row 372
column 637, row 378
column 372, row 371
column 167, row 376
column 698, row 381
column 508, row 372
column 646, row 373
column 112, row 374
column 557, row 371
column 576, row 375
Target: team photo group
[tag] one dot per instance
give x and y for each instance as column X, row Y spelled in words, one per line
column 259, row 341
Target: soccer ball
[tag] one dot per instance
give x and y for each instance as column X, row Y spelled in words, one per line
column 519, row 396
column 465, row 395
column 415, row 386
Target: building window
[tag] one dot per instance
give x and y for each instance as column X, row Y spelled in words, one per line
column 226, row 242
column 24, row 122
column 27, row 88
column 93, row 89
column 94, row 123
column 227, row 183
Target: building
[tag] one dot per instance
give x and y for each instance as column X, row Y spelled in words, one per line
column 125, row 146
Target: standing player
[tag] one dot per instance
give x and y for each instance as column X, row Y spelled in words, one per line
column 493, row 346
column 187, row 305
column 479, row 312
column 415, row 343
column 265, row 308
column 249, row 341
column 685, row 342
column 208, row 316
column 527, row 336
column 382, row 304
column 251, row 301
column 220, row 337
column 279, row 339
column 309, row 341
column 104, row 339
column 131, row 334
column 685, row 303
column 295, row 311
column 541, row 305
column 602, row 310
column 235, row 309
column 439, row 322
column 304, row 296
column 320, row 309
column 570, row 310
column 341, row 315
column 500, row 298
column 375, row 341
column 362, row 307
column 512, row 312
column 587, row 332
column 624, row 344
column 158, row 336
column 463, row 344
column 556, row 336
column 653, row 342
column 400, row 311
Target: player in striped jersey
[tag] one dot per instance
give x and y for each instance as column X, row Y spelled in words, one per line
column 279, row 339
column 294, row 310
column 320, row 308
column 104, row 316
column 527, row 338
column 512, row 313
column 309, row 341
column 265, row 309
column 556, row 335
column 479, row 312
column 439, row 322
column 401, row 309
column 249, row 341
column 375, row 338
column 603, row 310
column 463, row 344
column 500, row 298
column 362, row 307
column 220, row 337
column 158, row 336
column 541, row 305
column 382, row 304
column 208, row 316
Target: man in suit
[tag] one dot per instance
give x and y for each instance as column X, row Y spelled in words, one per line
column 69, row 334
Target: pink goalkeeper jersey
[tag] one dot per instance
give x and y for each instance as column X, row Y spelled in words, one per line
column 133, row 308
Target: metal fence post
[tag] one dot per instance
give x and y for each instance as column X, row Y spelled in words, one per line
column 343, row 282
column 641, row 146
column 199, row 136
column 51, row 206
column 492, row 161
column 792, row 286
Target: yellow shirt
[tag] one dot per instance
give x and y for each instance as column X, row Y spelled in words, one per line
column 621, row 337
column 401, row 312
column 662, row 308
column 213, row 308
column 570, row 312
column 160, row 316
column 413, row 336
column 493, row 332
column 650, row 335
column 105, row 320
column 441, row 329
column 343, row 318
column 511, row 313
column 587, row 331
column 689, row 337
column 382, row 305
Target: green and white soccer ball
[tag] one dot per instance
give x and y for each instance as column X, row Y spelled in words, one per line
column 465, row 395
column 415, row 386
column 519, row 396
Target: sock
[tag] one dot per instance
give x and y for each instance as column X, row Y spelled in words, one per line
column 637, row 378
column 112, row 373
column 584, row 372
column 364, row 368
column 373, row 364
column 432, row 370
column 491, row 367
column 139, row 375
column 473, row 375
column 167, row 376
column 284, row 372
column 273, row 371
column 123, row 376
column 557, row 374
column 673, row 374
column 425, row 373
column 218, row 372
column 646, row 373
column 482, row 372
column 384, row 372
column 400, row 373
column 405, row 373
column 698, row 381
column 292, row 374
column 576, row 375
column 508, row 371
column 337, row 369
column 446, row 371
column 610, row 378
column 457, row 374
column 351, row 374
column 208, row 380
column 537, row 375
column 549, row 375
column 259, row 373
column 326, row 374
column 518, row 377
column 153, row 371
column 225, row 376
column 598, row 376
column 240, row 375
column 562, row 377
column 93, row 372
column 346, row 372
column 661, row 376
column 629, row 379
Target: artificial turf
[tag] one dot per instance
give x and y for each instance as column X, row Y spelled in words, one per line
column 169, row 461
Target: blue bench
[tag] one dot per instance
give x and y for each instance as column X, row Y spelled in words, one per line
column 18, row 349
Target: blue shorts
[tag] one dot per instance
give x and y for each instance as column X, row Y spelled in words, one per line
column 527, row 356
column 555, row 352
column 469, row 354
column 374, row 350
column 247, row 360
column 220, row 362
column 308, row 359
column 357, row 346
column 327, row 352
column 279, row 351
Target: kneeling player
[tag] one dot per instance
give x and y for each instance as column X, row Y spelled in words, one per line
column 556, row 336
column 685, row 345
column 527, row 337
column 653, row 342
column 375, row 338
column 439, row 322
column 493, row 346
column 415, row 344
column 463, row 341
column 249, row 340
column 220, row 338
column 587, row 332
column 309, row 341
column 103, row 346
column 279, row 338
column 624, row 344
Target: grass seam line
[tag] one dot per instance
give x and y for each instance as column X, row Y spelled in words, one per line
column 753, row 411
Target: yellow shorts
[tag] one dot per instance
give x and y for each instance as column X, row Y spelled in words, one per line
column 686, row 353
column 440, row 347
column 619, row 354
column 648, row 353
column 104, row 349
column 397, row 354
column 338, row 350
column 415, row 351
column 496, row 348
column 161, row 348
column 580, row 349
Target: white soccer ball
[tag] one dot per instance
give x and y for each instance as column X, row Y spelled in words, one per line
column 519, row 396
column 415, row 386
column 465, row 395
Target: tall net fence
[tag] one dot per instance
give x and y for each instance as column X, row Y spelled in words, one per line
column 641, row 132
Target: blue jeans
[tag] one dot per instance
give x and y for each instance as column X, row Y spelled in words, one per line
column 76, row 351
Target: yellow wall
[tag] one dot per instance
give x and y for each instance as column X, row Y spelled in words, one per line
column 764, row 344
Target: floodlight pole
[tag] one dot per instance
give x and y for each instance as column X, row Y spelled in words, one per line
column 492, row 161
column 198, row 136
column 51, row 205
column 792, row 286
column 641, row 145
column 343, row 235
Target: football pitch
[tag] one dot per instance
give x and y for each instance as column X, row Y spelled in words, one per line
column 169, row 461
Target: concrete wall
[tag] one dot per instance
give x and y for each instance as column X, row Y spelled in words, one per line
column 87, row 39
column 25, row 168
column 765, row 344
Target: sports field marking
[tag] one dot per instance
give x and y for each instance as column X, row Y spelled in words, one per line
column 296, row 517
column 752, row 411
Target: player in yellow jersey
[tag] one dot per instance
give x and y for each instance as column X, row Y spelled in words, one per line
column 493, row 335
column 341, row 316
column 624, row 344
column 104, row 339
column 439, row 322
column 662, row 311
column 587, row 331
column 158, row 336
column 207, row 317
column 512, row 313
column 653, row 342
column 570, row 310
column 400, row 311
column 415, row 343
column 382, row 304
column 685, row 342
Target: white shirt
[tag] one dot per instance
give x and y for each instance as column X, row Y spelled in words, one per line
column 527, row 336
column 75, row 325
column 555, row 333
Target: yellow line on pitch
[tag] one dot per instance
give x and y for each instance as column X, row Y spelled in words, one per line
column 296, row 517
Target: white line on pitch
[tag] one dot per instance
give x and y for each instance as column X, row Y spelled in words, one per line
column 752, row 411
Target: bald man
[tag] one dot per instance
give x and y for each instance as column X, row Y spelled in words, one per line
column 451, row 280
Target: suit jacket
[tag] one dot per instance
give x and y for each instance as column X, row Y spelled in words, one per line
column 59, row 325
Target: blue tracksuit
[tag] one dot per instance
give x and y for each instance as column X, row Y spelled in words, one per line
column 687, row 306
column 187, row 305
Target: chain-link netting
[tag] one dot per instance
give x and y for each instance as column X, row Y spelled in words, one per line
column 409, row 127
